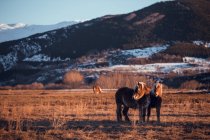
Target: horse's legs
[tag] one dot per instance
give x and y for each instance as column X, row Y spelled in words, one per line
column 141, row 112
column 125, row 113
column 158, row 113
column 144, row 114
column 118, row 111
column 148, row 113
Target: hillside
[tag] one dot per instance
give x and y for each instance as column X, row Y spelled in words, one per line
column 51, row 54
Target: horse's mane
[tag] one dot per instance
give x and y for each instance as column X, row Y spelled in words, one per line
column 139, row 93
column 157, row 89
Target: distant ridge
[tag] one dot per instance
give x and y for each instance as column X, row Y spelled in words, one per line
column 16, row 31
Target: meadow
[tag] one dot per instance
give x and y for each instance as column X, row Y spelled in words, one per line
column 80, row 114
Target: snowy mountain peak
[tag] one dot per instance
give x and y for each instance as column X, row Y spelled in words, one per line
column 10, row 32
column 11, row 26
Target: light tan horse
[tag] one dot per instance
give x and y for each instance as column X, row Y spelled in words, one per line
column 142, row 97
column 141, row 89
column 97, row 89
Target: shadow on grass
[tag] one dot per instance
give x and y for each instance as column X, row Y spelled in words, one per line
column 106, row 126
column 188, row 115
column 113, row 126
column 25, row 125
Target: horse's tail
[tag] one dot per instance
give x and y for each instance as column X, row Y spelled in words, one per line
column 118, row 96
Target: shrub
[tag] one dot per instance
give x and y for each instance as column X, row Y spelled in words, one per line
column 34, row 85
column 188, row 49
column 55, row 86
column 73, row 78
column 192, row 84
column 117, row 80
column 156, row 58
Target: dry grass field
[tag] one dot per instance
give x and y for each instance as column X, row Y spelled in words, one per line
column 62, row 114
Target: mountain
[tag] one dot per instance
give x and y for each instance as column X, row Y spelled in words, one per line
column 45, row 57
column 10, row 32
column 11, row 26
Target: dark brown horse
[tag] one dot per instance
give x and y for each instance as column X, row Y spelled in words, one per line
column 156, row 100
column 125, row 99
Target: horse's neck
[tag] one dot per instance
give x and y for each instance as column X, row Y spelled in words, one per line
column 161, row 90
column 152, row 91
column 148, row 89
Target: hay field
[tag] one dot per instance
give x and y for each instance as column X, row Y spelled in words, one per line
column 80, row 114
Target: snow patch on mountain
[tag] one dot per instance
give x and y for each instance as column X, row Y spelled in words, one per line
column 198, row 42
column 165, row 68
column 18, row 52
column 28, row 49
column 194, row 60
column 44, row 58
column 88, row 24
column 43, row 36
column 202, row 43
column 146, row 52
column 9, row 60
column 152, row 68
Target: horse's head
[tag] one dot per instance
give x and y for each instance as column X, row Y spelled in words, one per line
column 140, row 90
column 157, row 89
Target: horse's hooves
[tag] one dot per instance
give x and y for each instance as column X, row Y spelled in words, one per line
column 158, row 122
column 127, row 121
column 140, row 122
column 119, row 121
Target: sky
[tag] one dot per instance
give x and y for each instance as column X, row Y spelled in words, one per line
column 45, row 12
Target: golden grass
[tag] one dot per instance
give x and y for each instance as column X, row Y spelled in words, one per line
column 61, row 114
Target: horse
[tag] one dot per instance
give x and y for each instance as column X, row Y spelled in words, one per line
column 125, row 98
column 156, row 100
column 142, row 97
column 97, row 89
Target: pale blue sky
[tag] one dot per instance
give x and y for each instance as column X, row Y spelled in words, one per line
column 54, row 11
